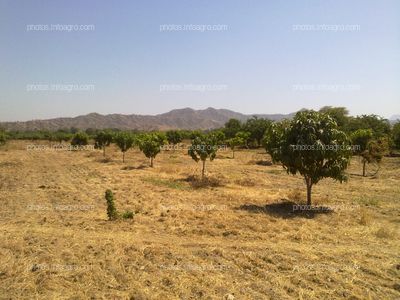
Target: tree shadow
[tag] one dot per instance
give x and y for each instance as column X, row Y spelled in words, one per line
column 264, row 163
column 287, row 210
column 196, row 182
column 140, row 167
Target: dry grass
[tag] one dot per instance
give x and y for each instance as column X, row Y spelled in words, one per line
column 235, row 235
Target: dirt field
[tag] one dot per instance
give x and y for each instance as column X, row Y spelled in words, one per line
column 235, row 238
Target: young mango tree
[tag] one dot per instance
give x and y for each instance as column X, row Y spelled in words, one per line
column 80, row 139
column 257, row 128
column 174, row 137
column 245, row 136
column 376, row 150
column 62, row 137
column 203, row 147
column 235, row 142
column 360, row 140
column 150, row 144
column 103, row 139
column 124, row 141
column 232, row 127
column 310, row 145
column 370, row 149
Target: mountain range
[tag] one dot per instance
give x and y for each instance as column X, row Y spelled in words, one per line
column 186, row 118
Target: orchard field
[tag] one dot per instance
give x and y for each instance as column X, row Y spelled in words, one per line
column 237, row 235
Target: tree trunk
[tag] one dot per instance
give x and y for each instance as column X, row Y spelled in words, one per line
column 202, row 171
column 233, row 153
column 364, row 163
column 309, row 186
column 123, row 157
column 151, row 162
column 104, row 151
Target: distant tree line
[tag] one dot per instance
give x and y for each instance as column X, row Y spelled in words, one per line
column 314, row 144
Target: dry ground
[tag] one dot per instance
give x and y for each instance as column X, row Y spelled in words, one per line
column 237, row 237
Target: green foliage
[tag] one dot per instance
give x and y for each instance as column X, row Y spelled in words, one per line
column 376, row 150
column 195, row 133
column 127, row 214
column 245, row 136
column 103, row 139
column 236, row 141
column 60, row 136
column 150, row 144
column 370, row 149
column 124, row 141
column 73, row 130
column 257, row 127
column 379, row 126
column 231, row 128
column 3, row 138
column 396, row 135
column 218, row 136
column 80, row 139
column 111, row 210
column 339, row 114
column 310, row 145
column 174, row 137
column 91, row 132
column 203, row 147
column 50, row 136
column 360, row 139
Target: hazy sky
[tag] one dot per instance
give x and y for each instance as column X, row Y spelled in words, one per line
column 262, row 59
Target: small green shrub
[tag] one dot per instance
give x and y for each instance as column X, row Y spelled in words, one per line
column 80, row 139
column 111, row 210
column 127, row 214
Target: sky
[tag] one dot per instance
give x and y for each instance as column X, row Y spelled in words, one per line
column 69, row 58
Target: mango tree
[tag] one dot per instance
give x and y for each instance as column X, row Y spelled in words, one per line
column 103, row 139
column 150, row 144
column 124, row 141
column 174, row 137
column 203, row 147
column 80, row 139
column 235, row 142
column 370, row 149
column 310, row 145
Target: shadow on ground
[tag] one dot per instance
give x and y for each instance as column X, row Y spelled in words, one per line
column 197, row 182
column 287, row 209
column 140, row 167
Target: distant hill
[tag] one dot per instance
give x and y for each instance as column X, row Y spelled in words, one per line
column 185, row 118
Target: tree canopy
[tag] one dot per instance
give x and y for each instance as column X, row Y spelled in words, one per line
column 310, row 145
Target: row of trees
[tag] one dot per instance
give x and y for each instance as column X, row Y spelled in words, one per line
column 150, row 143
column 249, row 133
column 67, row 134
column 328, row 136
column 252, row 131
column 312, row 144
